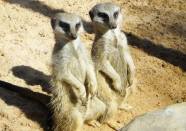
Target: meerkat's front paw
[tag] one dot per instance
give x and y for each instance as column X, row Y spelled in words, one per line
column 93, row 89
column 133, row 88
column 131, row 80
column 117, row 85
column 83, row 96
column 131, row 77
column 83, row 100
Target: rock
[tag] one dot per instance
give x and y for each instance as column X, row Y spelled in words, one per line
column 171, row 118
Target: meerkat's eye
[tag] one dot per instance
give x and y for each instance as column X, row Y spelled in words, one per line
column 78, row 25
column 64, row 26
column 116, row 14
column 103, row 16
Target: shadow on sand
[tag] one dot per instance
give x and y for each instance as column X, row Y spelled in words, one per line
column 40, row 112
column 32, row 77
column 169, row 55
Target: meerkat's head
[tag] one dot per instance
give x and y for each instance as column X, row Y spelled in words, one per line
column 67, row 25
column 106, row 16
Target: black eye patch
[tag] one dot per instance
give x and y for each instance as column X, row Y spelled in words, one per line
column 116, row 14
column 104, row 16
column 78, row 25
column 64, row 26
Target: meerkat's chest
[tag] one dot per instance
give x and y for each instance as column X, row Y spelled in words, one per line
column 117, row 60
column 111, row 42
column 77, row 65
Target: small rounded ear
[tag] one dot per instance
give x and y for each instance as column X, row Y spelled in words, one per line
column 53, row 22
column 91, row 14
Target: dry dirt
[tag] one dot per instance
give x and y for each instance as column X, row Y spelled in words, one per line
column 156, row 30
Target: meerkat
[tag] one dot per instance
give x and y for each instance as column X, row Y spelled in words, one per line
column 74, row 83
column 114, row 65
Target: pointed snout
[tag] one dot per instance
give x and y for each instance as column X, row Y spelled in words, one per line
column 73, row 34
column 112, row 25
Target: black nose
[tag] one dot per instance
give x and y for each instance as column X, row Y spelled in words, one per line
column 73, row 36
column 113, row 26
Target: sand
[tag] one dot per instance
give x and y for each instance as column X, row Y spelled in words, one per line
column 156, row 31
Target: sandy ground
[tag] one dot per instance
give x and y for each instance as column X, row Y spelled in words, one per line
column 156, row 30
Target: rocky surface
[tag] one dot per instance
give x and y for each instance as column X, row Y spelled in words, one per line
column 171, row 118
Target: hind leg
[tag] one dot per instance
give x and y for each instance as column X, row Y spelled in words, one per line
column 133, row 88
column 77, row 121
column 109, row 112
column 96, row 108
column 108, row 115
column 70, row 121
column 129, row 91
column 124, row 105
